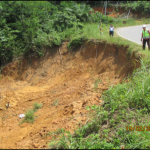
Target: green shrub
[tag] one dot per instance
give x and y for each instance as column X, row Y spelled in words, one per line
column 37, row 106
column 29, row 116
column 7, row 44
column 137, row 6
column 76, row 42
column 95, row 17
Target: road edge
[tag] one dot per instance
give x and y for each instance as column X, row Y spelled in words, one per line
column 120, row 28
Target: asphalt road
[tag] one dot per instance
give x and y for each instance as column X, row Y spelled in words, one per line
column 132, row 33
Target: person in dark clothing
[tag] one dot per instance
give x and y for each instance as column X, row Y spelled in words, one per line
column 145, row 36
column 111, row 30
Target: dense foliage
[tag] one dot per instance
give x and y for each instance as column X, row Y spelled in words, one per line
column 137, row 6
column 29, row 27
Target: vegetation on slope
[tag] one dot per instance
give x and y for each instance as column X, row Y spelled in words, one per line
column 29, row 115
column 30, row 27
column 136, row 6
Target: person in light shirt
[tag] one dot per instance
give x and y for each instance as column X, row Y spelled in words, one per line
column 145, row 36
column 111, row 30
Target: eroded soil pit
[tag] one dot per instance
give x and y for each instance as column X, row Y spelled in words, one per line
column 65, row 86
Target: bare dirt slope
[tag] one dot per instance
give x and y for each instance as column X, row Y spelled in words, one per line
column 65, row 89
column 121, row 12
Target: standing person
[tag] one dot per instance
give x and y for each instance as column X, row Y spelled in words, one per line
column 111, row 30
column 145, row 36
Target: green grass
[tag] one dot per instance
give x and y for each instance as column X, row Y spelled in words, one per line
column 55, row 102
column 91, row 31
column 29, row 115
column 57, row 132
column 37, row 106
column 96, row 83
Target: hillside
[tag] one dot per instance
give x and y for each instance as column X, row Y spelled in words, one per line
column 77, row 87
column 47, row 80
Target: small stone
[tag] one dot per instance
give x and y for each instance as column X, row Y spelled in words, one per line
column 104, row 88
column 84, row 103
column 45, row 145
column 64, row 113
column 41, row 133
column 42, row 141
column 67, row 96
column 104, row 83
column 66, row 106
column 35, row 145
column 21, row 116
column 55, row 122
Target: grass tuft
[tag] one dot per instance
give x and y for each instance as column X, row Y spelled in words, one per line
column 37, row 106
column 29, row 117
column 96, row 83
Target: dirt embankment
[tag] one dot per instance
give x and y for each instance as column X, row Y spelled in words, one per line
column 64, row 87
column 118, row 12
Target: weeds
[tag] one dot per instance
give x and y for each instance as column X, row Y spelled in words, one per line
column 55, row 102
column 96, row 83
column 29, row 115
column 59, row 131
column 76, row 42
column 37, row 106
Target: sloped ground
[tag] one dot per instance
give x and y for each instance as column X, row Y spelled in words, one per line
column 65, row 89
column 121, row 12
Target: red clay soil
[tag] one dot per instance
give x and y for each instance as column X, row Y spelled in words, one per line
column 65, row 89
column 109, row 10
column 120, row 12
column 102, row 10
